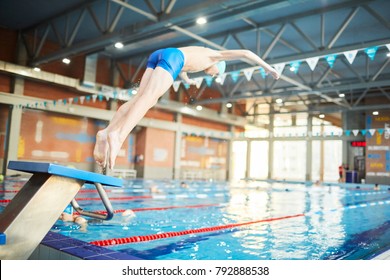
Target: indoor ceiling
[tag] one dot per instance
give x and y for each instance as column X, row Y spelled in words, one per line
column 282, row 32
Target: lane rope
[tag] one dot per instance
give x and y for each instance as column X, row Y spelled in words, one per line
column 136, row 239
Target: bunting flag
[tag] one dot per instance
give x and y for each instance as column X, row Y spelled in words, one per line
column 222, row 78
column 262, row 72
column 294, row 66
column 176, row 85
column 70, row 101
column 372, row 131
column 348, row 132
column 331, row 59
column 371, row 52
column 363, row 131
column 248, row 73
column 94, row 98
column 198, row 82
column 355, row 132
column 388, row 47
column 235, row 75
column 380, row 131
column 350, row 55
column 209, row 80
column 312, row 62
column 279, row 67
column 186, row 86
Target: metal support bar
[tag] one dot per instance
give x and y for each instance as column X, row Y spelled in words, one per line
column 106, row 203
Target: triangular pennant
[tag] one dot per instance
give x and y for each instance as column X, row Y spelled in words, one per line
column 312, row 62
column 355, row 132
column 372, row 131
column 294, row 66
column 279, row 67
column 350, row 55
column 70, row 100
column 363, row 131
column 94, row 96
column 388, row 47
column 54, row 102
column 248, row 73
column 88, row 97
column 64, row 101
column 209, row 80
column 107, row 97
column 198, row 82
column 187, row 86
column 331, row 59
column 347, row 132
column 176, row 85
column 380, row 131
column 222, row 78
column 371, row 52
column 76, row 99
column 262, row 72
column 235, row 75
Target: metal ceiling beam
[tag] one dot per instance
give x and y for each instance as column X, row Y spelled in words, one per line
column 262, row 94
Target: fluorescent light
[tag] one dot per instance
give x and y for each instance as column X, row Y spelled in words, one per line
column 201, row 20
column 279, row 100
column 134, row 91
column 37, row 69
column 118, row 45
column 321, row 116
column 341, row 95
column 375, row 113
column 66, row 60
column 199, row 107
column 229, row 105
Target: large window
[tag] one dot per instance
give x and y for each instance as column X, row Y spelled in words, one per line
column 289, row 160
column 259, row 160
column 331, row 158
column 239, row 151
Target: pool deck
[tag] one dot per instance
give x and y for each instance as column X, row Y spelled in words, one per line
column 383, row 256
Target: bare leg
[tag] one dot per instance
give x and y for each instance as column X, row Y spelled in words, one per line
column 100, row 152
column 159, row 82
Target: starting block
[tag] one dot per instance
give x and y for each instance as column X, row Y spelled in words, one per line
column 34, row 210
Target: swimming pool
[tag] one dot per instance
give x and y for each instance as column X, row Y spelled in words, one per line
column 249, row 220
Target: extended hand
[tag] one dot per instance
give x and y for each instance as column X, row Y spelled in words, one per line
column 274, row 73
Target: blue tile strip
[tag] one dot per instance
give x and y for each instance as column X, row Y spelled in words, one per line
column 81, row 249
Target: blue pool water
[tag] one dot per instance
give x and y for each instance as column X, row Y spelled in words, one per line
column 291, row 221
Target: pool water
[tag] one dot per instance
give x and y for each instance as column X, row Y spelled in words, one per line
column 249, row 220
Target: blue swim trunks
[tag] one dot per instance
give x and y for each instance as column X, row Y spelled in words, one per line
column 171, row 59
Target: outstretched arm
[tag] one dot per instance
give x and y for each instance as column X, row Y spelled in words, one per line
column 248, row 55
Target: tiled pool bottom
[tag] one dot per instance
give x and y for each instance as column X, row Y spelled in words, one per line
column 56, row 246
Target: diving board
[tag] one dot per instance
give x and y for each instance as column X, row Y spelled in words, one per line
column 37, row 206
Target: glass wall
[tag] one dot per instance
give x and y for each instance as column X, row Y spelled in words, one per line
column 239, row 151
column 289, row 160
column 259, row 160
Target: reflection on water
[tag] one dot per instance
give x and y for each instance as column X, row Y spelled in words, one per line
column 292, row 221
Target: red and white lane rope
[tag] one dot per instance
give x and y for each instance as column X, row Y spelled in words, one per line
column 134, row 239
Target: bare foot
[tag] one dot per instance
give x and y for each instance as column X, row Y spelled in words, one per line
column 101, row 148
column 115, row 144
